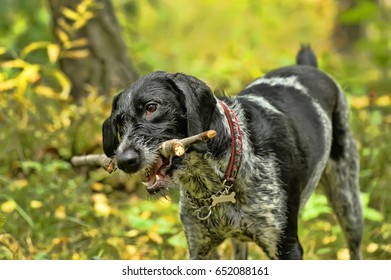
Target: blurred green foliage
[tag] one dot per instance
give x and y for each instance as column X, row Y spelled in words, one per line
column 49, row 210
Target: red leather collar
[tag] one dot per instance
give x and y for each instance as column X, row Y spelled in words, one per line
column 236, row 144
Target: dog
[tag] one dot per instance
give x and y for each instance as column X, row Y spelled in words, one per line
column 276, row 140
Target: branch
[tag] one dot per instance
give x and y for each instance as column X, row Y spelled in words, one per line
column 173, row 147
column 108, row 164
column 178, row 147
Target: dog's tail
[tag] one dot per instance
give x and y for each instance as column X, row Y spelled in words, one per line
column 306, row 56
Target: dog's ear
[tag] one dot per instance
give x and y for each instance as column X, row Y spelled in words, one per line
column 199, row 103
column 110, row 131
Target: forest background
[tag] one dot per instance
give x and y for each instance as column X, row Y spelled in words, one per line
column 61, row 63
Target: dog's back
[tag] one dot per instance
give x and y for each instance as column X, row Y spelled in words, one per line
column 317, row 140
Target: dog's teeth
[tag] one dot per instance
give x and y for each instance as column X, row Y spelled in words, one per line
column 157, row 178
column 154, row 185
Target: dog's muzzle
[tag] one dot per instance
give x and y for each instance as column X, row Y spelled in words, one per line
column 128, row 161
column 156, row 176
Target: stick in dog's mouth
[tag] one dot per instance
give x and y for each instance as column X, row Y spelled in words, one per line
column 178, row 147
column 157, row 176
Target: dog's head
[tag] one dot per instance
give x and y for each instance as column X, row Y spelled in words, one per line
column 156, row 108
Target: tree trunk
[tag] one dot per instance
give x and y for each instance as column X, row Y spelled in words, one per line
column 93, row 52
column 345, row 36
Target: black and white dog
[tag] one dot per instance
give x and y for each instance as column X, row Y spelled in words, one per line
column 283, row 134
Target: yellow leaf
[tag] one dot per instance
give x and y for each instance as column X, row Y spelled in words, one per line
column 75, row 256
column 329, row 239
column 64, row 25
column 82, row 7
column 53, row 52
column 92, row 232
column 29, row 74
column 79, row 24
column 60, row 212
column 62, row 35
column 46, row 92
column 102, row 209
column 164, row 203
column 56, row 241
column 132, row 233
column 99, row 197
column 170, row 219
column 387, row 248
column 154, row 236
column 65, row 84
column 33, row 47
column 82, row 42
column 142, row 240
column 75, row 54
column 21, row 183
column 384, row 101
column 16, row 63
column 35, row 204
column 372, row 248
column 343, row 254
column 8, row 206
column 359, row 102
column 70, row 14
column 132, row 252
column 131, row 249
column 8, row 85
column 98, row 187
column 66, row 120
column 82, row 21
column 146, row 215
column 116, row 242
column 101, row 206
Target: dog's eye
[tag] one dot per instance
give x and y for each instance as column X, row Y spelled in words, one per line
column 151, row 107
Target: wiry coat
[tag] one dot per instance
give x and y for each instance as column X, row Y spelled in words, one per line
column 294, row 124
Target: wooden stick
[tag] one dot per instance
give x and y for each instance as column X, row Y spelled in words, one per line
column 108, row 164
column 178, row 147
column 173, row 147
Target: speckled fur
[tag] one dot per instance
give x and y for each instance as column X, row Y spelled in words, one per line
column 295, row 130
column 252, row 211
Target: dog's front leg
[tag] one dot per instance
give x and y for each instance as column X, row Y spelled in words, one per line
column 201, row 242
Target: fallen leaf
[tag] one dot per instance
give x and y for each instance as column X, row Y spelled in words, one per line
column 8, row 206
column 372, row 248
column 60, row 212
column 35, row 204
column 343, row 254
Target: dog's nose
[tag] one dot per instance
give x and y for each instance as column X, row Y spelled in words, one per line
column 128, row 161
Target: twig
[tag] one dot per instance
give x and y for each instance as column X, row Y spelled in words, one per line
column 178, row 147
column 108, row 164
column 173, row 147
